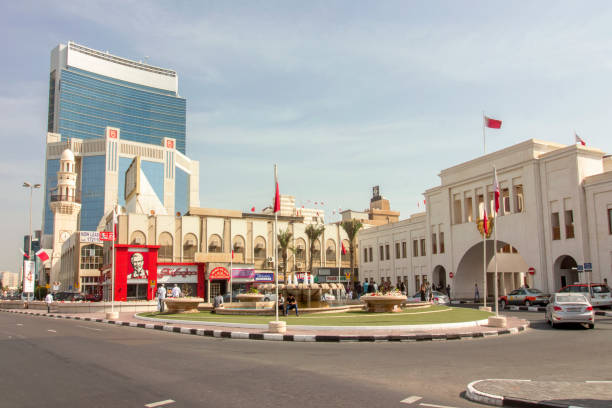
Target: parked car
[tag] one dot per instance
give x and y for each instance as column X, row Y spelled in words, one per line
column 570, row 308
column 93, row 297
column 524, row 296
column 68, row 297
column 598, row 296
column 439, row 298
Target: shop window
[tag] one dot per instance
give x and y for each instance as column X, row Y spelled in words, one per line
column 569, row 224
column 165, row 247
column 190, row 244
column 215, row 244
column 138, row 238
column 91, row 257
column 434, row 244
column 556, row 230
column 260, row 248
column 441, row 242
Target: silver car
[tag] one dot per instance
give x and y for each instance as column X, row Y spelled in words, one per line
column 570, row 308
column 439, row 298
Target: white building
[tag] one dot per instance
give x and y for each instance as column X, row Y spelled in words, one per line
column 555, row 216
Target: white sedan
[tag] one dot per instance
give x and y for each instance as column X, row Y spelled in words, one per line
column 439, row 298
column 569, row 308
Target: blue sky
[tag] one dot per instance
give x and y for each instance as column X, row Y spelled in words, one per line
column 343, row 95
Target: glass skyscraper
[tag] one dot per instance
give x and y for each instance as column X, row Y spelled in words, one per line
column 90, row 91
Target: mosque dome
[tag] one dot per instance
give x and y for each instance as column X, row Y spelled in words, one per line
column 67, row 155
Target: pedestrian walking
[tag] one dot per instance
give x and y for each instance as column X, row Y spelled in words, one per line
column 476, row 293
column 49, row 300
column 422, row 292
column 448, row 288
column 365, row 287
column 161, row 295
column 176, row 291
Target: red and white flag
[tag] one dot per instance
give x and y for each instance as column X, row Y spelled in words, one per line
column 252, row 209
column 579, row 139
column 24, row 254
column 497, row 192
column 492, row 123
column 42, row 255
column 485, row 223
column 343, row 248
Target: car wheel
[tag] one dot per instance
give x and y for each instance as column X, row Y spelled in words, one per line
column 591, row 326
column 527, row 303
column 502, row 304
column 267, row 299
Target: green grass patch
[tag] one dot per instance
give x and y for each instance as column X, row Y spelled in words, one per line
column 432, row 315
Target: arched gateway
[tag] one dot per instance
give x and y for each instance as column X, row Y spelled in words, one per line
column 511, row 268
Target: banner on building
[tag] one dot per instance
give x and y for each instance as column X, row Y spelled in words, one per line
column 177, row 274
column 28, row 276
column 90, row 236
column 264, row 277
column 243, row 273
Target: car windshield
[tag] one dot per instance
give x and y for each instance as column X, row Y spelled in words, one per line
column 571, row 299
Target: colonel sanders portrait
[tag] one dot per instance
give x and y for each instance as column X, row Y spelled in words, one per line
column 138, row 271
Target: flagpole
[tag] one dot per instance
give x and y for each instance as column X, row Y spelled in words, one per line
column 113, row 265
column 275, row 239
column 484, row 257
column 231, row 271
column 495, row 243
column 484, row 139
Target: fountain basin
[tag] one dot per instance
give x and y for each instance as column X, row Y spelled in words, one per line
column 182, row 305
column 383, row 303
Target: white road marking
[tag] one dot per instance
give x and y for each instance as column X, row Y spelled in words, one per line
column 434, row 405
column 89, row 328
column 19, row 324
column 159, row 403
column 52, row 331
column 598, row 382
column 411, row 399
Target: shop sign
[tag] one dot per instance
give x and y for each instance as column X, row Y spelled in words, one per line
column 107, row 236
column 243, row 273
column 264, row 277
column 137, row 270
column 177, row 274
column 28, row 276
column 90, row 236
column 330, row 278
column 324, row 272
column 219, row 273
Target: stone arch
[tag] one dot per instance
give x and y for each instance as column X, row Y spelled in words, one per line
column 345, row 257
column 238, row 244
column 565, row 272
column 166, row 247
column 316, row 253
column 300, row 250
column 190, row 245
column 260, row 248
column 439, row 276
column 138, row 238
column 215, row 243
column 330, row 252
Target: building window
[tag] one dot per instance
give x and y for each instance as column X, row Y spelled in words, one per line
column 215, row 244
column 610, row 221
column 441, row 242
column 260, row 249
column 330, row 252
column 556, row 230
column 397, row 250
column 423, row 247
column 91, row 257
column 165, row 247
column 469, row 209
column 365, row 255
column 506, row 200
column 403, row 249
column 434, row 245
column 518, row 198
column 387, row 257
column 381, row 253
column 238, row 245
column 569, row 224
column 346, row 257
column 457, row 211
column 415, row 248
column 138, row 238
column 370, row 253
column 190, row 244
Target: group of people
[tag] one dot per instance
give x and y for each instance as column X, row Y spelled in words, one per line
column 161, row 295
column 290, row 304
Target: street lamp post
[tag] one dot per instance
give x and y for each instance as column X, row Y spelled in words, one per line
column 31, row 187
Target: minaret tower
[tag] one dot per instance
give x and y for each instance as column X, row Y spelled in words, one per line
column 66, row 206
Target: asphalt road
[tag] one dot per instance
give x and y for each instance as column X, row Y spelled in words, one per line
column 64, row 363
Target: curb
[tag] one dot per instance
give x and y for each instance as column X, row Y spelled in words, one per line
column 543, row 309
column 473, row 394
column 287, row 337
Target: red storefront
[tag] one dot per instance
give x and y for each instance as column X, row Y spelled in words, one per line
column 137, row 269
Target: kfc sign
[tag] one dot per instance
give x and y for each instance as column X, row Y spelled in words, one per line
column 112, row 133
column 177, row 274
column 138, row 270
column 170, row 143
column 107, row 236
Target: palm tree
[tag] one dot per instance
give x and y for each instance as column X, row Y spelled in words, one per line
column 313, row 232
column 284, row 238
column 351, row 228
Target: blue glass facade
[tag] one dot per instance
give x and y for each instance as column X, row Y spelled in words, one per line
column 92, row 191
column 50, row 184
column 181, row 184
column 89, row 102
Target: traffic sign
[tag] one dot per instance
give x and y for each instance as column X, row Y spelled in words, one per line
column 579, row 268
column 588, row 266
column 531, row 271
column 451, row 275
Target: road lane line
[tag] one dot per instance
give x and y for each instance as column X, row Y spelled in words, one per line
column 159, row 403
column 411, row 399
column 90, row 328
column 19, row 324
column 51, row 330
column 435, row 406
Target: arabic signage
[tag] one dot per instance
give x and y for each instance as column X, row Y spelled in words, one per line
column 264, row 277
column 243, row 273
column 177, row 274
column 90, row 236
column 107, row 236
column 219, row 273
